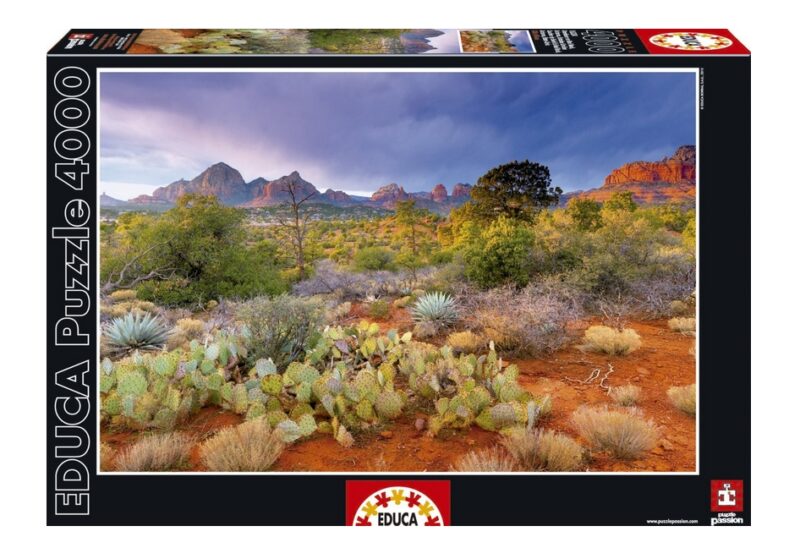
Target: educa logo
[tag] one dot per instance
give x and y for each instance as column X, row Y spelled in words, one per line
column 398, row 504
column 690, row 41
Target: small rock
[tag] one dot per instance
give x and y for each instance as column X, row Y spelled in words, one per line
column 642, row 371
column 419, row 424
column 386, row 434
column 666, row 445
column 470, row 441
column 657, row 451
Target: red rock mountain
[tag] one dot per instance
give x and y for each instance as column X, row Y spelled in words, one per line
column 227, row 184
column 277, row 191
column 672, row 179
column 439, row 193
column 220, row 180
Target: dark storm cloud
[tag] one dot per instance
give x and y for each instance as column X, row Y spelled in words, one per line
column 357, row 131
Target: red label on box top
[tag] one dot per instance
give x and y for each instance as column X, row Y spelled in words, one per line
column 690, row 41
column 398, row 503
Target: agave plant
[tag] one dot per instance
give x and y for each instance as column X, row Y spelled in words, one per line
column 437, row 308
column 136, row 332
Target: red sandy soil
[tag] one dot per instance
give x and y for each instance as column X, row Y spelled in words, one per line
column 663, row 361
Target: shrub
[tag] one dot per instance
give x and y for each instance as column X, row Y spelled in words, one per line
column 119, row 309
column 683, row 325
column 437, row 308
column 425, row 330
column 156, row 453
column 678, row 308
column 249, row 447
column 493, row 459
column 501, row 255
column 191, row 328
column 624, row 434
column 136, row 332
column 337, row 312
column 626, row 396
column 379, row 310
column 465, row 342
column 122, row 295
column 544, row 450
column 107, row 455
column 684, row 398
column 600, row 338
column 373, row 258
column 281, row 327
column 530, row 321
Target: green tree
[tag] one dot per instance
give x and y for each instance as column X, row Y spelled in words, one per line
column 518, row 190
column 585, row 213
column 502, row 254
column 408, row 217
column 621, row 201
column 194, row 252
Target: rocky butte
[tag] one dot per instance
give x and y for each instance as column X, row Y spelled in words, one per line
column 672, row 179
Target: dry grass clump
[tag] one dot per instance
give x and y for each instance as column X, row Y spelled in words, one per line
column 122, row 308
column 684, row 398
column 626, row 435
column 678, row 308
column 465, row 342
column 249, row 447
column 379, row 310
column 122, row 295
column 600, row 338
column 683, row 325
column 337, row 312
column 107, row 454
column 191, row 328
column 544, row 450
column 627, row 395
column 156, row 453
column 491, row 459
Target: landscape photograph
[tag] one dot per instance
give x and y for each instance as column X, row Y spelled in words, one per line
column 396, row 271
column 296, row 41
column 496, row 41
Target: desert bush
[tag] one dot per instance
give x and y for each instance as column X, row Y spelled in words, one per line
column 122, row 295
column 329, row 279
column 374, row 258
column 492, row 459
column 249, row 447
column 683, row 325
column 337, row 312
column 530, row 321
column 122, row 308
column 107, row 455
column 191, row 328
column 501, row 254
column 425, row 330
column 136, row 332
column 379, row 310
column 437, row 308
column 627, row 395
column 625, row 434
column 601, row 338
column 684, row 398
column 404, row 302
column 156, row 453
column 466, row 342
column 281, row 327
column 544, row 450
column 678, row 308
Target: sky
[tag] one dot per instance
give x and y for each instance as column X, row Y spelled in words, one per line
column 359, row 131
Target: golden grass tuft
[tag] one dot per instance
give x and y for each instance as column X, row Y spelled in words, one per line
column 249, row 447
column 684, row 398
column 107, row 454
column 627, row 395
column 491, row 459
column 122, row 295
column 156, row 453
column 626, row 435
column 544, row 450
column 465, row 342
column 191, row 328
column 683, row 325
column 601, row 338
